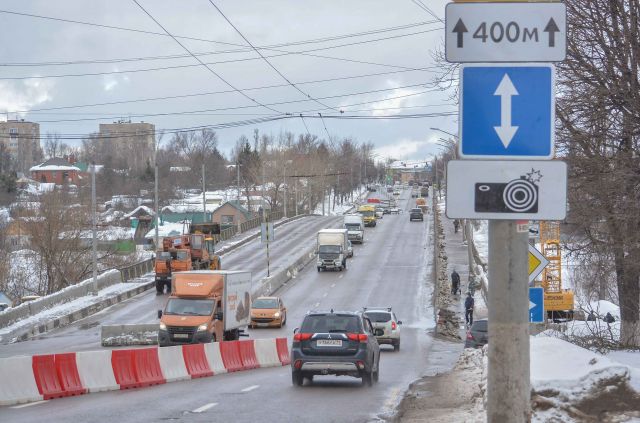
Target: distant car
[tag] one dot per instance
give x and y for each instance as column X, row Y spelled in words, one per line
column 349, row 249
column 386, row 210
column 385, row 325
column 268, row 312
column 379, row 212
column 389, row 189
column 478, row 334
column 416, row 214
column 395, row 210
column 340, row 343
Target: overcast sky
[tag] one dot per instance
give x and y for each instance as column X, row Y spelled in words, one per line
column 393, row 55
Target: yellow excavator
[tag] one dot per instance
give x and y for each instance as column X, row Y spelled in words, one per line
column 558, row 302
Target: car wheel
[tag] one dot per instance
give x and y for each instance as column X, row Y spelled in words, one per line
column 367, row 379
column 318, row 269
column 376, row 374
column 396, row 346
column 296, row 378
column 345, row 265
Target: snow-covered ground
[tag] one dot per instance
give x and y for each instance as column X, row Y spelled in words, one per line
column 340, row 209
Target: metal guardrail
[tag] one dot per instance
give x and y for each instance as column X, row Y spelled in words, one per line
column 136, row 270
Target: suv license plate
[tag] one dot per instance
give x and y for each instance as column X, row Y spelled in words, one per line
column 180, row 335
column 329, row 343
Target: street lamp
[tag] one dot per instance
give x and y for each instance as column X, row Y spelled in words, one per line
column 94, row 240
column 237, row 166
column 444, row 132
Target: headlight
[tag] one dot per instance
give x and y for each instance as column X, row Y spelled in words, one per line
column 203, row 327
column 163, row 326
column 276, row 314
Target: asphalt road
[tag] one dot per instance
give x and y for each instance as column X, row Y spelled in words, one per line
column 85, row 334
column 393, row 268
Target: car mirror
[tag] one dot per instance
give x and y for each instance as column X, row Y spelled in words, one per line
column 159, row 314
column 378, row 332
column 399, row 322
column 296, row 330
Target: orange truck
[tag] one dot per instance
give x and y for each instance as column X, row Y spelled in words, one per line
column 205, row 306
column 184, row 252
column 421, row 203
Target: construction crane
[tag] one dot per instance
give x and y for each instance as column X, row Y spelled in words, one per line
column 558, row 302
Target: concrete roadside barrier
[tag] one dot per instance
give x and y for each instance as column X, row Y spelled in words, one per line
column 126, row 335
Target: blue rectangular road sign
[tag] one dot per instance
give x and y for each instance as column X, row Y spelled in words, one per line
column 507, row 112
column 536, row 305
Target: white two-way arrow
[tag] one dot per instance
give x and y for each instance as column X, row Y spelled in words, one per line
column 505, row 90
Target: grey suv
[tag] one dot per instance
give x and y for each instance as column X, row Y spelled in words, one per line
column 340, row 343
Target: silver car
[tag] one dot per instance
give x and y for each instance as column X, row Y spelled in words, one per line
column 385, row 324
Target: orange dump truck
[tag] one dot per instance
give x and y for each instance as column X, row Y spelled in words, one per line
column 421, row 203
column 205, row 306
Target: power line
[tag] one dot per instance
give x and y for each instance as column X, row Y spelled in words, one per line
column 201, row 62
column 424, row 7
column 286, row 53
column 279, row 103
column 325, row 126
column 210, row 53
column 267, row 60
column 305, row 124
column 426, row 69
column 235, row 124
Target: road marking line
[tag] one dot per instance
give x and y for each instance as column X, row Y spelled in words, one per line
column 332, row 285
column 29, row 404
column 250, row 388
column 317, row 305
column 340, row 277
column 325, row 294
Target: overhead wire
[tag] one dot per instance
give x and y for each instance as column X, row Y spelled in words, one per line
column 238, row 50
column 424, row 7
column 201, row 62
column 288, row 53
column 276, row 70
column 325, row 125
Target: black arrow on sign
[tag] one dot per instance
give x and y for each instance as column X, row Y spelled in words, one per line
column 460, row 29
column 552, row 28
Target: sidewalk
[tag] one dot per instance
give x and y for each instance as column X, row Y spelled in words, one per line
column 458, row 259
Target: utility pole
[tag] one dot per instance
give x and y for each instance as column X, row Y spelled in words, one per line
column 94, row 240
column 295, row 188
column 157, row 217
column 238, row 171
column 263, row 183
column 284, row 187
column 508, row 386
column 204, row 197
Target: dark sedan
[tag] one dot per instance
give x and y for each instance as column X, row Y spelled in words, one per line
column 416, row 214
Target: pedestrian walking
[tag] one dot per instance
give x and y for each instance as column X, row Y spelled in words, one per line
column 455, row 282
column 456, row 225
column 468, row 309
column 609, row 318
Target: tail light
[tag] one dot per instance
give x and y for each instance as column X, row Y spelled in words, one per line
column 360, row 364
column 470, row 336
column 302, row 336
column 358, row 337
column 394, row 326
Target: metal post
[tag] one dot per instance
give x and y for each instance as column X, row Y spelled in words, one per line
column 157, row 217
column 266, row 221
column 285, row 190
column 508, row 387
column 468, row 231
column 295, row 187
column 204, row 199
column 238, row 170
column 263, row 183
column 94, row 240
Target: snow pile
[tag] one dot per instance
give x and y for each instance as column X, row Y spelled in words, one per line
column 570, row 383
column 602, row 307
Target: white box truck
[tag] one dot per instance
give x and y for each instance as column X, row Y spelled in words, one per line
column 354, row 224
column 332, row 249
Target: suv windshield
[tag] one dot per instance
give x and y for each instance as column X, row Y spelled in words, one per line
column 367, row 213
column 352, row 226
column 323, row 249
column 328, row 323
column 378, row 316
column 416, row 211
column 265, row 303
column 184, row 307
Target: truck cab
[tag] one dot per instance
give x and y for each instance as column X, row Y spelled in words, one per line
column 354, row 224
column 205, row 306
column 332, row 249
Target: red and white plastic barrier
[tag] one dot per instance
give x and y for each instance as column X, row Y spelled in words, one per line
column 34, row 378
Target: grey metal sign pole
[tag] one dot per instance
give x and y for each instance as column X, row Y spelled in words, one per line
column 508, row 384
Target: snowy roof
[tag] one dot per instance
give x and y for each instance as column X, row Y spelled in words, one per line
column 138, row 211
column 54, row 164
column 168, row 229
column 408, row 164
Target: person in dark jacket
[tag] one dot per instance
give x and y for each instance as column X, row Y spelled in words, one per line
column 469, row 302
column 455, row 282
column 609, row 318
